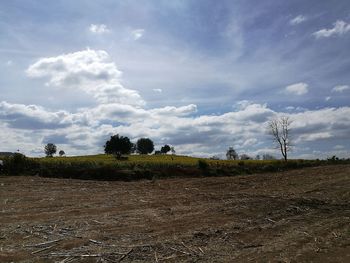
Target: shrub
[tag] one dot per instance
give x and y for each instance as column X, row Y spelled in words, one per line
column 240, row 163
column 18, row 164
column 203, row 165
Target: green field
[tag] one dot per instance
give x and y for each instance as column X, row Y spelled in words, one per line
column 164, row 162
column 135, row 167
column 149, row 160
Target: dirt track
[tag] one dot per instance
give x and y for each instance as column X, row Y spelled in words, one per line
column 296, row 216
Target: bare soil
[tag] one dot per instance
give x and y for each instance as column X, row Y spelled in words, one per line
column 295, row 216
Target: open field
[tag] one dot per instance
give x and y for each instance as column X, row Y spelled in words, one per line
column 296, row 216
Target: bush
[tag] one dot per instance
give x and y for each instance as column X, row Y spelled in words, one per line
column 20, row 164
column 203, row 165
column 240, row 163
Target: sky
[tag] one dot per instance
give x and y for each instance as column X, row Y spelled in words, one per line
column 200, row 75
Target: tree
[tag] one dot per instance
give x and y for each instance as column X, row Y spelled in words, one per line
column 118, row 145
column 145, row 146
column 231, row 154
column 50, row 149
column 61, row 153
column 172, row 149
column 280, row 131
column 165, row 149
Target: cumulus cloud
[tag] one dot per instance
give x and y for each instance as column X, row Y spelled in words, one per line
column 90, row 71
column 297, row 20
column 32, row 117
column 137, row 33
column 322, row 124
column 297, row 89
column 245, row 128
column 341, row 88
column 158, row 90
column 98, row 28
column 120, row 110
column 339, row 28
column 175, row 111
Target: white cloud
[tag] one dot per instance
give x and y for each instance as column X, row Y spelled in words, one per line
column 341, row 88
column 33, row 117
column 339, row 147
column 86, row 129
column 297, row 20
column 98, row 28
column 137, row 33
column 322, row 124
column 176, row 111
column 340, row 28
column 158, row 90
column 90, row 71
column 292, row 108
column 297, row 89
column 328, row 98
column 9, row 63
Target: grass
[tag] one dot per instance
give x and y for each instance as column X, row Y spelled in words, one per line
column 150, row 160
column 106, row 167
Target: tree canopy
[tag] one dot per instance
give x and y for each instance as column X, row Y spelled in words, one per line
column 50, row 149
column 118, row 145
column 145, row 146
column 165, row 149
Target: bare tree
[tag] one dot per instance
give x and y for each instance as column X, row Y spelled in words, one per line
column 280, row 130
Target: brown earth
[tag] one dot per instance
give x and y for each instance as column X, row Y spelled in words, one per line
column 296, row 216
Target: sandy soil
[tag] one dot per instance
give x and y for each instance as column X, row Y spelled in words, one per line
column 295, row 216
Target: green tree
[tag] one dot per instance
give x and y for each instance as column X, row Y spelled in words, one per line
column 50, row 149
column 118, row 145
column 145, row 146
column 165, row 149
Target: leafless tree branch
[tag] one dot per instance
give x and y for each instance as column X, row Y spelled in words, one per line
column 280, row 130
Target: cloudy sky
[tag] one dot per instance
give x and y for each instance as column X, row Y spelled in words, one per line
column 200, row 75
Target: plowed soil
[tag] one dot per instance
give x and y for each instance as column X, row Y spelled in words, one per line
column 296, row 216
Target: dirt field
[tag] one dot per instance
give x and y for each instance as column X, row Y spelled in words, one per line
column 295, row 216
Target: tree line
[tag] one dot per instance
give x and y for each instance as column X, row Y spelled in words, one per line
column 120, row 145
column 117, row 145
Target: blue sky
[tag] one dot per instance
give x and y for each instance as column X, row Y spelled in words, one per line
column 199, row 75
